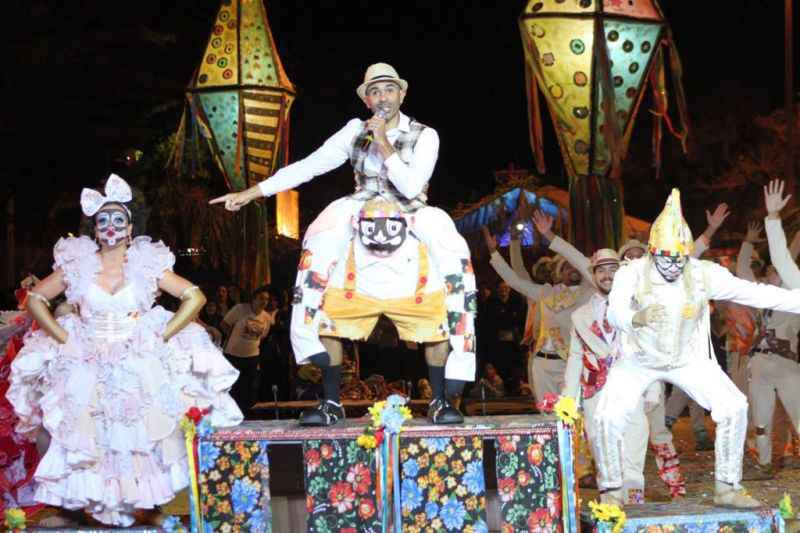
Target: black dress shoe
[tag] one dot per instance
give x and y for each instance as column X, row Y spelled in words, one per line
column 442, row 412
column 327, row 413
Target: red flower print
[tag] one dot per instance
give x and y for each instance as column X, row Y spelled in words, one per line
column 309, row 503
column 535, row 454
column 312, row 460
column 539, row 521
column 507, row 487
column 359, row 477
column 548, row 402
column 365, row 509
column 342, row 496
column 554, row 504
column 507, row 444
column 326, row 451
column 523, row 478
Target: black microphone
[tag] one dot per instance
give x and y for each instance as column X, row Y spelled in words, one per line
column 369, row 137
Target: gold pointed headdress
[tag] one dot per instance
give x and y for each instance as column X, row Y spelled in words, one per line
column 670, row 234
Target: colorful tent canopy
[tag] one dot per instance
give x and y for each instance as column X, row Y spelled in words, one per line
column 592, row 59
column 513, row 205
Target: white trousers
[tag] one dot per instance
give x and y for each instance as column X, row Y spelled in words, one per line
column 547, row 374
column 326, row 241
column 678, row 401
column 702, row 379
column 772, row 376
column 635, row 442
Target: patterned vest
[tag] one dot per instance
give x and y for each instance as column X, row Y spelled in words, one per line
column 368, row 187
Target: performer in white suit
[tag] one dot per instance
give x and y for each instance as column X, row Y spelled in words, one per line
column 591, row 357
column 660, row 305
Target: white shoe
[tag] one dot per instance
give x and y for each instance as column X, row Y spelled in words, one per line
column 736, row 498
column 613, row 497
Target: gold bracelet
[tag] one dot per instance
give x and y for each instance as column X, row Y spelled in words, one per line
column 39, row 297
column 186, row 294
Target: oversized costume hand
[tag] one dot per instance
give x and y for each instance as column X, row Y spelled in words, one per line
column 652, row 316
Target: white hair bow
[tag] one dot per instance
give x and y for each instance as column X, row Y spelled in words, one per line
column 117, row 190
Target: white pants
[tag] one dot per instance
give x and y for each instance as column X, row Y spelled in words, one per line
column 702, row 379
column 326, row 241
column 678, row 401
column 547, row 374
column 635, row 445
column 770, row 376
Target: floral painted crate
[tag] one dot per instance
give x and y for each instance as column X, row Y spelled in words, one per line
column 691, row 517
column 441, row 475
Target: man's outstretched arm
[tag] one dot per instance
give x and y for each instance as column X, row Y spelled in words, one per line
column 327, row 157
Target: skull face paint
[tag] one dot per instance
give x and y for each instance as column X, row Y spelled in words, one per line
column 111, row 226
column 382, row 236
column 670, row 268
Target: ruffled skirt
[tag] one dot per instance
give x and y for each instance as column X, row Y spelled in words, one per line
column 113, row 412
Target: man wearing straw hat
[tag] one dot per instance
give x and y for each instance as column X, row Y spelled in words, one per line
column 660, row 305
column 393, row 156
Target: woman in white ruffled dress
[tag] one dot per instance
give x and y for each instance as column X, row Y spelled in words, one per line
column 109, row 384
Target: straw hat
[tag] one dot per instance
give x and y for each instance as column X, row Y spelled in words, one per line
column 380, row 72
column 603, row 256
column 630, row 245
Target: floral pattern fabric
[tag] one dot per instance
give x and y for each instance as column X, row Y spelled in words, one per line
column 442, row 485
column 529, row 483
column 690, row 517
column 234, row 486
column 340, row 487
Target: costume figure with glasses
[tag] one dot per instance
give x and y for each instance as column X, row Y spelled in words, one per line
column 393, row 158
column 659, row 303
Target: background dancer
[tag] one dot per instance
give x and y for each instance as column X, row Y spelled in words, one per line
column 660, row 304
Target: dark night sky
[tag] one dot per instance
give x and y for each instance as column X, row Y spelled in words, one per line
column 87, row 78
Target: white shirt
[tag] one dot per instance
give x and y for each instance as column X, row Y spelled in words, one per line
column 245, row 341
column 555, row 303
column 409, row 178
column 685, row 332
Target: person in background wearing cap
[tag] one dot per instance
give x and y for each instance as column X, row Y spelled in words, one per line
column 659, row 304
column 393, row 156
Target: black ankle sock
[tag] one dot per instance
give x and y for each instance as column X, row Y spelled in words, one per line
column 436, row 377
column 331, row 376
column 331, row 379
column 453, row 387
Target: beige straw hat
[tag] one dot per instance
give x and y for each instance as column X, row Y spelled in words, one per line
column 380, row 72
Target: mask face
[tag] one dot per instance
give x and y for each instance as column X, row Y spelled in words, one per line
column 670, row 268
column 111, row 226
column 382, row 236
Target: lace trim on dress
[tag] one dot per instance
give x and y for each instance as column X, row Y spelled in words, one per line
column 77, row 259
column 147, row 263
